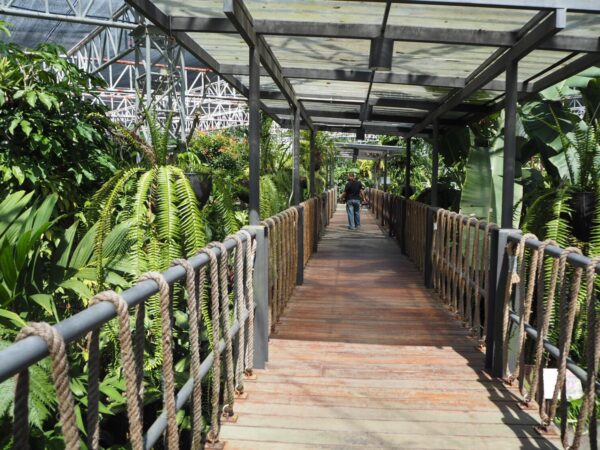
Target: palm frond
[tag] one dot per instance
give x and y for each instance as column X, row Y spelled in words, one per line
column 192, row 221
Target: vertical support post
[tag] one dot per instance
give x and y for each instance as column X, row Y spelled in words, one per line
column 261, row 297
column 316, row 209
column 502, row 265
column 385, row 172
column 428, row 269
column 312, row 183
column 254, row 138
column 435, row 157
column 406, row 195
column 510, row 144
column 297, row 195
column 300, row 241
column 491, row 285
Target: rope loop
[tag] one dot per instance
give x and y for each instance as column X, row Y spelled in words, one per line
column 130, row 372
column 194, row 304
column 60, row 376
column 167, row 349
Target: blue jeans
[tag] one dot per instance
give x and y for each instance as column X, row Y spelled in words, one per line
column 353, row 210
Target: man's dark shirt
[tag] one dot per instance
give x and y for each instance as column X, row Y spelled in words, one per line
column 352, row 190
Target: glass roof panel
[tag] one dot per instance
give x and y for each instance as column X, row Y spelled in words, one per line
column 583, row 25
column 465, row 17
column 332, row 11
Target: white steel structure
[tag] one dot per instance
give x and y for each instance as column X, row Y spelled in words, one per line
column 142, row 67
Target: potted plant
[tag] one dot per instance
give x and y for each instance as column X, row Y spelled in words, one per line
column 198, row 173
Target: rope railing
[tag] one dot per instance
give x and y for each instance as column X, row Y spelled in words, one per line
column 37, row 340
column 546, row 300
column 288, row 253
column 460, row 261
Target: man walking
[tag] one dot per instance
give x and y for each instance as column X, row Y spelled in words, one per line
column 353, row 195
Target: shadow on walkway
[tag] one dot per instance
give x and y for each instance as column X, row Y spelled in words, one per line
column 366, row 357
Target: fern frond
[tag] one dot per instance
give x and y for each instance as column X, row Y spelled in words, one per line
column 140, row 215
column 192, row 222
column 105, row 222
column 167, row 217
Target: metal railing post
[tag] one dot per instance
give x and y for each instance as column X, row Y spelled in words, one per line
column 300, row 243
column 428, row 266
column 502, row 268
column 403, row 226
column 491, row 286
column 316, row 224
column 261, row 298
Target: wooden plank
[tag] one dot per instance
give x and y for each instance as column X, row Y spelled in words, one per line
column 366, row 357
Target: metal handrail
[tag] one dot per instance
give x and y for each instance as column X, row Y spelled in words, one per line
column 28, row 351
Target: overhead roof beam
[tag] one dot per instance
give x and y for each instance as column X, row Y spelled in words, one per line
column 364, row 76
column 571, row 5
column 553, row 23
column 355, row 115
column 161, row 20
column 241, row 18
column 455, row 36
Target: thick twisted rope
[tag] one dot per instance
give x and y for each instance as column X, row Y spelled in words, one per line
column 270, row 224
column 239, row 308
column 166, row 320
column 544, row 315
column 526, row 291
column 568, row 309
column 194, row 302
column 473, row 277
column 249, row 296
column 484, row 279
column 229, row 370
column 213, row 434
column 593, row 355
column 130, row 372
column 60, row 376
column 511, row 279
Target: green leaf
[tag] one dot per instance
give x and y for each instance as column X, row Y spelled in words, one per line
column 26, row 127
column 31, row 98
column 18, row 174
column 13, row 317
column 47, row 303
column 13, row 124
column 78, row 287
column 46, row 99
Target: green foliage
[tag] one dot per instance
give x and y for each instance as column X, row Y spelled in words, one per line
column 51, row 139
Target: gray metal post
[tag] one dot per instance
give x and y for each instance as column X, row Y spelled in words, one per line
column 428, row 247
column 261, row 298
column 435, row 157
column 510, row 144
column 406, row 196
column 316, row 210
column 297, row 195
column 385, row 171
column 491, row 286
column 502, row 266
column 312, row 183
column 254, row 138
column 300, row 241
column 407, row 168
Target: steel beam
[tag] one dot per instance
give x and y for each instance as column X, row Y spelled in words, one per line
column 589, row 6
column 510, row 145
column 254, row 138
column 296, row 193
column 435, row 163
column 554, row 22
column 312, row 184
column 450, row 36
column 240, row 17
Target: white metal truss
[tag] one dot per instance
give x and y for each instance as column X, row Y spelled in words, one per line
column 141, row 66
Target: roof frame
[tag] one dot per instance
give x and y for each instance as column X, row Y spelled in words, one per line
column 242, row 20
column 488, row 38
column 554, row 21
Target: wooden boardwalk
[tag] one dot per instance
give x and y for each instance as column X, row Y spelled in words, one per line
column 366, row 357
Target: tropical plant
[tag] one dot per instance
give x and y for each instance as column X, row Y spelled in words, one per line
column 51, row 138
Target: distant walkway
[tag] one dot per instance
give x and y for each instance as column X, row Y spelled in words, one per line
column 366, row 357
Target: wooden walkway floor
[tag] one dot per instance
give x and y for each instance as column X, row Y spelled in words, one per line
column 366, row 357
